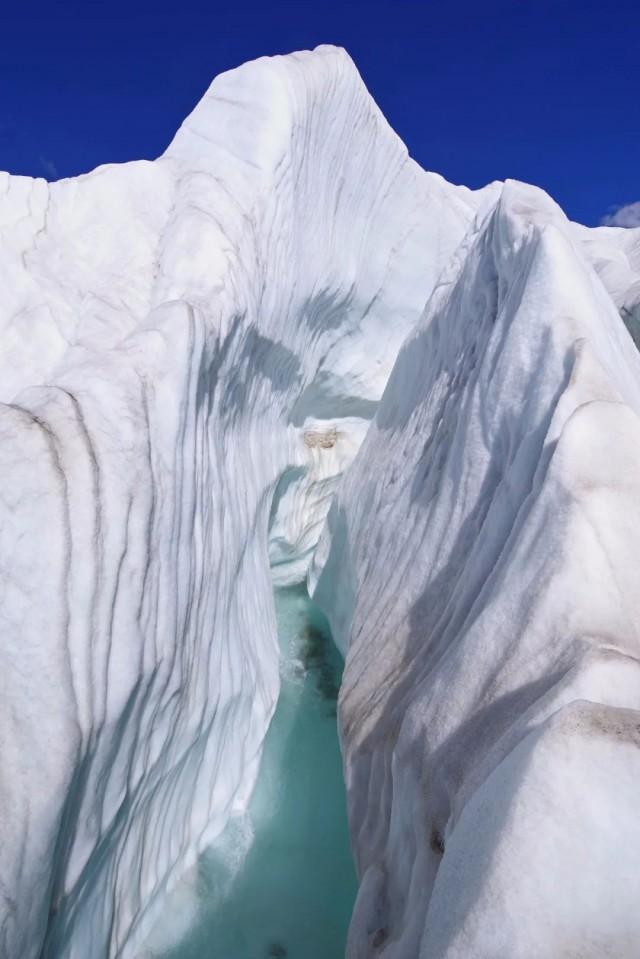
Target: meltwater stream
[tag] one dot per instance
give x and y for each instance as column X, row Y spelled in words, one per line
column 293, row 894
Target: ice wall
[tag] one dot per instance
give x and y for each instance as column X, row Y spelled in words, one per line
column 191, row 351
column 481, row 567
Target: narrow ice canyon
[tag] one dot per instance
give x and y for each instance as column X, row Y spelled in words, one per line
column 284, row 357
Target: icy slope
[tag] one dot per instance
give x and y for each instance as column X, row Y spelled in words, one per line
column 191, row 351
column 615, row 254
column 481, row 565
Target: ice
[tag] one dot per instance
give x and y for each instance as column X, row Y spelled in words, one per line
column 615, row 255
column 481, row 568
column 194, row 350
column 176, row 334
column 292, row 894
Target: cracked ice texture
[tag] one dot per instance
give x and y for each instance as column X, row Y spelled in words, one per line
column 481, row 568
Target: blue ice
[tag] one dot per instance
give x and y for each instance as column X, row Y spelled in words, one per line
column 294, row 891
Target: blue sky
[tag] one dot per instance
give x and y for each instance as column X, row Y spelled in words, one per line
column 547, row 92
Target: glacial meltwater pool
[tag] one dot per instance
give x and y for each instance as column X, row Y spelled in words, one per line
column 293, row 894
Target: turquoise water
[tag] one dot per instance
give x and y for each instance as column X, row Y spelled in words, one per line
column 293, row 893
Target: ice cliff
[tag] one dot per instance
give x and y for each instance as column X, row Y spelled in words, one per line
column 193, row 351
column 481, row 567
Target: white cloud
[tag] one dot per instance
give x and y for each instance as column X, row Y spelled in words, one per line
column 49, row 168
column 628, row 215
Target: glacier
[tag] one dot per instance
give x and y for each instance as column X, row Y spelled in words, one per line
column 284, row 352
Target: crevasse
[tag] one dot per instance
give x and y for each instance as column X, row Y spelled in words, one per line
column 280, row 881
column 194, row 350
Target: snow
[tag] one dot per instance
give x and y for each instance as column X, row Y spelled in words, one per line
column 194, row 352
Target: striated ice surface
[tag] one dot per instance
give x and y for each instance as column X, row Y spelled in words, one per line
column 193, row 355
column 481, row 569
column 192, row 349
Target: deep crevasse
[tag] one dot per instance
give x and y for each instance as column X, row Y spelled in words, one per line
column 193, row 350
column 280, row 881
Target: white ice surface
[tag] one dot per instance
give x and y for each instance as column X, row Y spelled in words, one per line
column 192, row 352
column 481, row 566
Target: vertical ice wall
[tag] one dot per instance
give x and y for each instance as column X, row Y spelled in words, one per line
column 481, row 567
column 191, row 350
